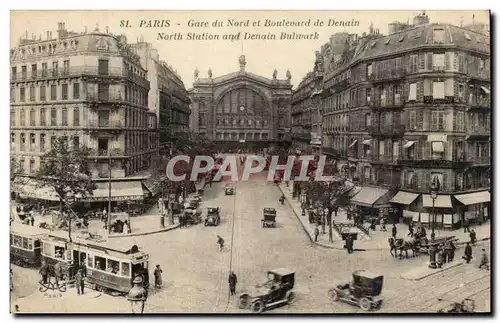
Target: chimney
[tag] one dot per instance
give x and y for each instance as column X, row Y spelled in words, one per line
column 473, row 18
column 26, row 35
column 107, row 30
column 48, row 35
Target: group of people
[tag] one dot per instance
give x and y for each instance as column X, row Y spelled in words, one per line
column 446, row 253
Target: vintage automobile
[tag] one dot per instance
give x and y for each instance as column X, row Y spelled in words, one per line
column 213, row 216
column 362, row 291
column 278, row 290
column 192, row 215
column 229, row 189
column 269, row 219
column 192, row 202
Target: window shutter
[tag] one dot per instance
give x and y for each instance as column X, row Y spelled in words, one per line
column 421, row 64
column 405, row 92
column 427, row 181
column 402, row 178
column 446, row 150
column 454, row 58
column 429, row 61
column 415, row 180
column 389, row 148
column 420, row 120
column 418, row 150
column 446, row 185
column 420, row 91
column 427, row 87
column 447, row 64
column 454, row 116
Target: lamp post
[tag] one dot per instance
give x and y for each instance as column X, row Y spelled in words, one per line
column 432, row 250
column 137, row 296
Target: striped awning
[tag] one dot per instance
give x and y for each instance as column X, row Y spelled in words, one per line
column 120, row 191
column 442, row 201
column 405, row 198
column 474, row 198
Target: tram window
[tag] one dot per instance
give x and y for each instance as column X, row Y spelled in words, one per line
column 37, row 244
column 47, row 249
column 113, row 266
column 18, row 241
column 25, row 243
column 59, row 252
column 100, row 263
column 125, row 269
column 90, row 262
column 30, row 244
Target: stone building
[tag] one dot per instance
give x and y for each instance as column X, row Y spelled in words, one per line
column 409, row 109
column 86, row 86
column 242, row 109
column 302, row 114
column 168, row 97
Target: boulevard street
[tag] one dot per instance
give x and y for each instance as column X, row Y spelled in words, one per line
column 195, row 272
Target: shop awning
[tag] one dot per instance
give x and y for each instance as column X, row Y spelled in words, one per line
column 30, row 188
column 367, row 196
column 474, row 198
column 353, row 143
column 485, row 89
column 409, row 144
column 152, row 185
column 442, row 201
column 405, row 198
column 367, row 142
column 120, row 191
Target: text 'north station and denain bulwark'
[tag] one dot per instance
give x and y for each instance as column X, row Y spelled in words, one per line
column 232, row 29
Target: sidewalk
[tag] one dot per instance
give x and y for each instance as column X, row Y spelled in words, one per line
column 377, row 240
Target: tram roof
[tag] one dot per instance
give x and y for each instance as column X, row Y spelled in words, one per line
column 27, row 230
column 112, row 245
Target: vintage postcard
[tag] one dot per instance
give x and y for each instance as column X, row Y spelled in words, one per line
column 246, row 162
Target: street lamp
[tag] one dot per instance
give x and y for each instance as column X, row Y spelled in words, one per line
column 137, row 296
column 434, row 190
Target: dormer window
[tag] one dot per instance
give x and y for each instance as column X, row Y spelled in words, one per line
column 373, row 44
column 401, row 38
column 438, row 35
column 387, row 41
column 418, row 34
column 467, row 36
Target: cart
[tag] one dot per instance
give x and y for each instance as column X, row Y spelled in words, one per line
column 269, row 218
column 213, row 217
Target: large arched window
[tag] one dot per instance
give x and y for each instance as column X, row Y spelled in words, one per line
column 243, row 101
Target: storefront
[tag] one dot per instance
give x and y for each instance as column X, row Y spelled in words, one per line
column 476, row 206
column 374, row 202
column 441, row 211
column 403, row 202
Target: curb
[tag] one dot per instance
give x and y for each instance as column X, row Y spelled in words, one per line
column 321, row 244
column 433, row 273
column 175, row 226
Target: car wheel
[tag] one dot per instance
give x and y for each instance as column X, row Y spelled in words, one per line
column 257, row 307
column 290, row 296
column 333, row 294
column 365, row 304
column 243, row 301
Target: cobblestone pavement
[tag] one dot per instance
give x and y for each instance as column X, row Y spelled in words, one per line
column 377, row 239
column 195, row 272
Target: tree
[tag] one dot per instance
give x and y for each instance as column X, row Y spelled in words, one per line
column 14, row 167
column 65, row 170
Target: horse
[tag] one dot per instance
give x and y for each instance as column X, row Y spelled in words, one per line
column 392, row 245
column 402, row 245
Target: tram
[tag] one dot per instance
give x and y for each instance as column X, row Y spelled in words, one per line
column 110, row 265
column 25, row 247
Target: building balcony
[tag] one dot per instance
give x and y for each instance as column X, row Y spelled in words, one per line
column 386, row 131
column 384, row 159
column 302, row 136
column 105, row 153
column 484, row 103
column 480, row 160
column 455, row 163
column 387, row 75
column 429, row 99
column 77, row 71
column 114, row 125
column 387, row 104
column 477, row 133
column 95, row 99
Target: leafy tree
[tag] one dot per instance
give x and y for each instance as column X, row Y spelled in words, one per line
column 65, row 170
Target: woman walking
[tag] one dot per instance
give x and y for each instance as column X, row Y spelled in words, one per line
column 157, row 274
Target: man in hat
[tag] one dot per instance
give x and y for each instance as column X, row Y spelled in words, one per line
column 44, row 272
column 79, row 282
column 233, row 280
column 467, row 253
column 394, row 231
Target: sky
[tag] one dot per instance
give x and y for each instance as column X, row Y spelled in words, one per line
column 221, row 56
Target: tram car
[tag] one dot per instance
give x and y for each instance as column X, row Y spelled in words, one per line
column 25, row 245
column 110, row 265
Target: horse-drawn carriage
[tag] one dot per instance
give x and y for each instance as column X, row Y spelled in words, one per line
column 269, row 217
column 362, row 291
column 418, row 244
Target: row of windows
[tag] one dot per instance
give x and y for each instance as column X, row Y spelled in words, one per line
column 250, row 123
column 242, row 136
column 29, row 142
column 21, row 95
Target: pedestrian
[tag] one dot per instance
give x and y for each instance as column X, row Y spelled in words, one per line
column 484, row 261
column 445, row 253
column 32, row 220
column 282, row 199
column 466, row 225
column 472, row 236
column 157, row 273
column 126, row 226
column 373, row 224
column 220, row 242
column 79, row 282
column 467, row 253
column 349, row 243
column 440, row 258
column 451, row 251
column 316, row 234
column 233, row 280
column 44, row 272
column 104, row 215
column 58, row 272
column 394, row 231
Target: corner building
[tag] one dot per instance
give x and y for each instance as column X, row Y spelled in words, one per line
column 242, row 109
column 89, row 87
column 410, row 108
